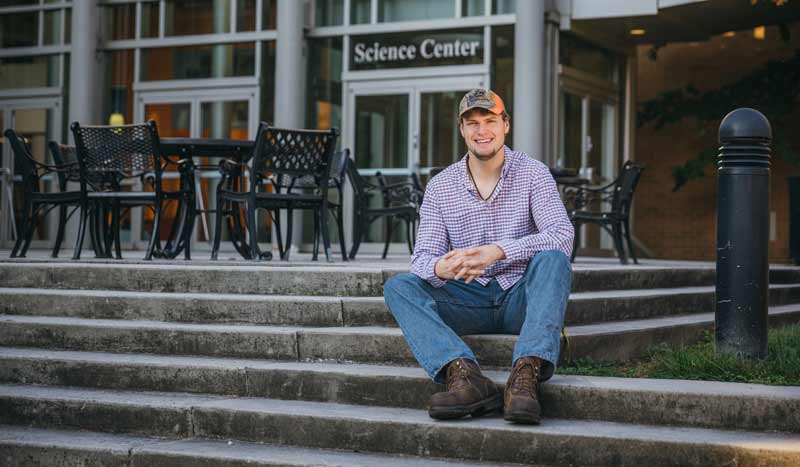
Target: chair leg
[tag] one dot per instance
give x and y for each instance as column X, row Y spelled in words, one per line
column 22, row 229
column 616, row 233
column 317, row 233
column 360, row 230
column 81, row 231
column 576, row 241
column 289, row 232
column 237, row 229
column 33, row 223
column 94, row 237
column 326, row 235
column 252, row 230
column 107, row 230
column 156, row 232
column 276, row 224
column 115, row 227
column 217, row 228
column 388, row 237
column 188, row 227
column 340, row 228
column 627, row 227
column 62, row 222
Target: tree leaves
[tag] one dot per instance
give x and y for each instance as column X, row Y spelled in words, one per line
column 772, row 89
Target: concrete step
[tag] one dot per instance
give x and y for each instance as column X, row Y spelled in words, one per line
column 389, row 430
column 617, row 305
column 608, row 341
column 328, row 280
column 270, row 280
column 583, row 308
column 57, row 448
column 655, row 402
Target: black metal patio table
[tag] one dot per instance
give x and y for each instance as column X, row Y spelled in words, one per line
column 188, row 154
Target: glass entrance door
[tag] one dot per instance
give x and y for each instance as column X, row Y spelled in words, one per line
column 195, row 114
column 400, row 128
column 39, row 121
column 588, row 142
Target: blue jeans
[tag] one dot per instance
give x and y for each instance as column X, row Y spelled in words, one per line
column 432, row 319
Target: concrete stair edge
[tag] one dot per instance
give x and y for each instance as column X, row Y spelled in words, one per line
column 643, row 401
column 613, row 341
column 296, row 310
column 59, row 447
column 389, row 430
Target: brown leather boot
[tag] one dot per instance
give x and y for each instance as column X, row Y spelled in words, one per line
column 521, row 398
column 468, row 393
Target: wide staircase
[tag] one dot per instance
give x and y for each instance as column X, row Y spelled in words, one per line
column 176, row 364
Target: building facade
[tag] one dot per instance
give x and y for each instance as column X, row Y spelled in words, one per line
column 388, row 73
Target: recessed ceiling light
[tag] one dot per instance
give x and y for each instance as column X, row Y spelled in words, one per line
column 637, row 32
column 728, row 34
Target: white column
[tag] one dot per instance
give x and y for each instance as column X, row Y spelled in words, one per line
column 84, row 65
column 529, row 75
column 290, row 68
column 290, row 73
column 84, row 86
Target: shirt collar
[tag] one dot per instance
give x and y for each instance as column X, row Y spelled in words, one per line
column 467, row 182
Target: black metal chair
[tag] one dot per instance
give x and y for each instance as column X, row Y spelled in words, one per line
column 281, row 157
column 37, row 203
column 107, row 157
column 336, row 181
column 619, row 196
column 400, row 202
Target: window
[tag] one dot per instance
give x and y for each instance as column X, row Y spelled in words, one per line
column 328, row 12
column 502, row 7
column 19, row 29
column 119, row 21
column 187, row 17
column 198, row 61
column 29, row 72
column 408, row 10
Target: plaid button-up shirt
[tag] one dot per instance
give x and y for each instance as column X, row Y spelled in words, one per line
column 524, row 215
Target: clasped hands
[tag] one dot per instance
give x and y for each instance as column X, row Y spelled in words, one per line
column 467, row 263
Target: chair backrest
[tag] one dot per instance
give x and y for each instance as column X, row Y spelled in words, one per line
column 23, row 160
column 359, row 183
column 117, row 152
column 293, row 153
column 625, row 186
column 339, row 167
column 65, row 155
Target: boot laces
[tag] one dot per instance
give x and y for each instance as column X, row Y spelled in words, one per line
column 526, row 378
column 457, row 375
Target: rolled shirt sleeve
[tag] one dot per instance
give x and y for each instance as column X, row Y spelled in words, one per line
column 554, row 229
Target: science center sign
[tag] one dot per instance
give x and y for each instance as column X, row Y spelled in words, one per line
column 415, row 49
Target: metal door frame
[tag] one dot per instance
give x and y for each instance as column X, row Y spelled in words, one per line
column 8, row 107
column 414, row 88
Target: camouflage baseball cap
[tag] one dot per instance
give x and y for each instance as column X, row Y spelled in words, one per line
column 481, row 99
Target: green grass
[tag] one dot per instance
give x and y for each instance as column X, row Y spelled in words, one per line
column 699, row 362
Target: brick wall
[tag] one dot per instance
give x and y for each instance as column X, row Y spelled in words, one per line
column 682, row 224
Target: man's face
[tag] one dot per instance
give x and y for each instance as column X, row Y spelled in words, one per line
column 484, row 133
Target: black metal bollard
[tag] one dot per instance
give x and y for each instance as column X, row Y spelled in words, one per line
column 743, row 234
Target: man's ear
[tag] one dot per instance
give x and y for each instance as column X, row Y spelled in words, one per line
column 461, row 127
column 506, row 125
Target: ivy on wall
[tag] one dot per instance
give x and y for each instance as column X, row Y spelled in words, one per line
column 773, row 89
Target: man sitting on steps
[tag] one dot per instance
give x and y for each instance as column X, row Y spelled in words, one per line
column 492, row 256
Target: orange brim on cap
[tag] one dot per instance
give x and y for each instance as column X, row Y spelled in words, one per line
column 498, row 107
